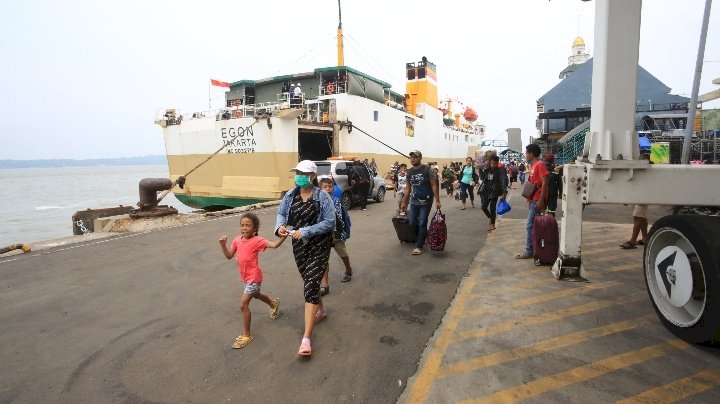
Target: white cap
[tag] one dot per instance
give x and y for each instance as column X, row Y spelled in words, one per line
column 305, row 166
column 292, row 84
column 298, row 84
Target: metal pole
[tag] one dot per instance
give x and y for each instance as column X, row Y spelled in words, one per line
column 696, row 85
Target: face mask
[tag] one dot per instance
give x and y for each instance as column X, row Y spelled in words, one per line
column 302, row 180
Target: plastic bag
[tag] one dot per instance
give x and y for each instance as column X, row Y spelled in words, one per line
column 503, row 207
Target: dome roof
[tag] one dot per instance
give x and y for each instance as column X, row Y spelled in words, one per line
column 578, row 42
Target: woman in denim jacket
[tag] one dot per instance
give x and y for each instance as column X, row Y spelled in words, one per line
column 307, row 214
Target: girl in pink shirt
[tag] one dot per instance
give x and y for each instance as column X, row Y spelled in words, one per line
column 247, row 246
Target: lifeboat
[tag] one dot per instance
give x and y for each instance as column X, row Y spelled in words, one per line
column 470, row 115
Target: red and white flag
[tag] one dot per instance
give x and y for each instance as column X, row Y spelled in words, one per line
column 219, row 83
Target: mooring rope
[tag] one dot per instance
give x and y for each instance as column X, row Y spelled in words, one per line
column 350, row 124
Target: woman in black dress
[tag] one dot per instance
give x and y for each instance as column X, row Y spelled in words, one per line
column 307, row 214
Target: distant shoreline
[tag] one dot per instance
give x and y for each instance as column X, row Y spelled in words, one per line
column 59, row 163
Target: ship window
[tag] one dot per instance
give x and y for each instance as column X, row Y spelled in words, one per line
column 411, row 74
column 375, row 116
column 466, row 138
column 421, row 72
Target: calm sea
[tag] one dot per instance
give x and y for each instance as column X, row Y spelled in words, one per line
column 38, row 203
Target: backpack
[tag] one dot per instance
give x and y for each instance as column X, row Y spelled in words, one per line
column 437, row 232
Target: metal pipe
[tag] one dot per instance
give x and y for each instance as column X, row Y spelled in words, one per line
column 696, row 85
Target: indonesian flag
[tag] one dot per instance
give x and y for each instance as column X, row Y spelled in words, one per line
column 219, row 83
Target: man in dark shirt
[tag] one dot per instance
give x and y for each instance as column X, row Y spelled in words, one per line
column 421, row 187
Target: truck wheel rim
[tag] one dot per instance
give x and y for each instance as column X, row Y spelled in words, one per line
column 675, row 277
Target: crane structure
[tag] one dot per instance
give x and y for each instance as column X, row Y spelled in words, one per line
column 681, row 260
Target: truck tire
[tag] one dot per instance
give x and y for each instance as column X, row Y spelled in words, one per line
column 681, row 261
column 346, row 199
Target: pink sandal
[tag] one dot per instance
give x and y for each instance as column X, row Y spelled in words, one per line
column 320, row 316
column 305, row 349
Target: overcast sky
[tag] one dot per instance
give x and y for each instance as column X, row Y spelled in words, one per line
column 84, row 78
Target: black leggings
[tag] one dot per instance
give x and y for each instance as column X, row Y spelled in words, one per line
column 362, row 190
column 465, row 191
column 489, row 206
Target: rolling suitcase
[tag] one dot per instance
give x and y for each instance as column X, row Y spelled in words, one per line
column 545, row 239
column 405, row 233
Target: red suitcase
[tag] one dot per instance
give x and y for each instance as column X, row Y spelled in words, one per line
column 545, row 239
column 404, row 232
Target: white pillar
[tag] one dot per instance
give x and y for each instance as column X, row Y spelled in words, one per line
column 569, row 266
column 614, row 81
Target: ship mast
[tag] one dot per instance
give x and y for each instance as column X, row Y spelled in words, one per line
column 340, row 52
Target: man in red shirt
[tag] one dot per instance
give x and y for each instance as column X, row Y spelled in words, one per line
column 537, row 200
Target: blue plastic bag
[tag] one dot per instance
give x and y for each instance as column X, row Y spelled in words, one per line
column 503, row 207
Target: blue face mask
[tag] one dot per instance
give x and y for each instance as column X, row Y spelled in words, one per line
column 302, row 180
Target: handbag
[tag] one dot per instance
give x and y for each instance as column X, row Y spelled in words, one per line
column 529, row 190
column 503, row 207
column 437, row 232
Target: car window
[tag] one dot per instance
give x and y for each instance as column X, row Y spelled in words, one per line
column 341, row 169
column 323, row 168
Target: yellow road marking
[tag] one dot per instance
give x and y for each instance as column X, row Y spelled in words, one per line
column 678, row 389
column 544, row 297
column 428, row 370
column 542, row 346
column 549, row 316
column 582, row 373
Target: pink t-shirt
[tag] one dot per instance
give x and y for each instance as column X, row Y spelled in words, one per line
column 247, row 257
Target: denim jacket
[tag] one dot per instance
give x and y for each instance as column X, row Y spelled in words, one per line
column 326, row 220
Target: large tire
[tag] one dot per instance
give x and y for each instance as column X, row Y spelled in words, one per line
column 681, row 263
column 346, row 199
column 380, row 194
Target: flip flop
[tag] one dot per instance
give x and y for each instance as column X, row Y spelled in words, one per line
column 275, row 313
column 640, row 242
column 347, row 277
column 241, row 341
column 627, row 245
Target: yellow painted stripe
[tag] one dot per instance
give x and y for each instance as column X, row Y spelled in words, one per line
column 549, row 316
column 427, row 372
column 544, row 297
column 678, row 389
column 582, row 373
column 543, row 346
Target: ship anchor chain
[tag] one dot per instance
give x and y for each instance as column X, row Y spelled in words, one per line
column 149, row 187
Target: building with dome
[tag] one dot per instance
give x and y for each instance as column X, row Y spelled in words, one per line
column 566, row 106
column 578, row 57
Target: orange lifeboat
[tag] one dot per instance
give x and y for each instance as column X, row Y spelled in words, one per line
column 470, row 115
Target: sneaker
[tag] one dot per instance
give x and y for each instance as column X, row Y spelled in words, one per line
column 275, row 313
column 524, row 256
column 416, row 251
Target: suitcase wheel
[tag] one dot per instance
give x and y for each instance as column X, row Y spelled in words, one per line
column 537, row 262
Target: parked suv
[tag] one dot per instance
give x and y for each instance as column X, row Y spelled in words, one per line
column 338, row 171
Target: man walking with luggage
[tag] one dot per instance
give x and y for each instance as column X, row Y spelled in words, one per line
column 535, row 192
column 422, row 186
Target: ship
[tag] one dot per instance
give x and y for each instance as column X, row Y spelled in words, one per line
column 241, row 154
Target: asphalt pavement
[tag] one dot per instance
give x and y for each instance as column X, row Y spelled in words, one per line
column 151, row 317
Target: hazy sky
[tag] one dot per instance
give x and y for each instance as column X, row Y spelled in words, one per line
column 85, row 78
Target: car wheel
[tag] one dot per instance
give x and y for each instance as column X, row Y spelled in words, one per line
column 681, row 260
column 346, row 200
column 380, row 194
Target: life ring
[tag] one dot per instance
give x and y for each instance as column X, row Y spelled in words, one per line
column 330, row 88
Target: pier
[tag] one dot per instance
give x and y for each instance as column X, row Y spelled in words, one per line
column 151, row 317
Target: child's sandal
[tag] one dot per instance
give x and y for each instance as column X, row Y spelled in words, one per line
column 241, row 342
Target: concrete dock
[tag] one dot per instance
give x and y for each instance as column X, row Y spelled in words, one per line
column 150, row 317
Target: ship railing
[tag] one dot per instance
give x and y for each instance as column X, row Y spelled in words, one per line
column 288, row 100
column 333, row 87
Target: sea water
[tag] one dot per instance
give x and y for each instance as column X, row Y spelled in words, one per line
column 38, row 203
